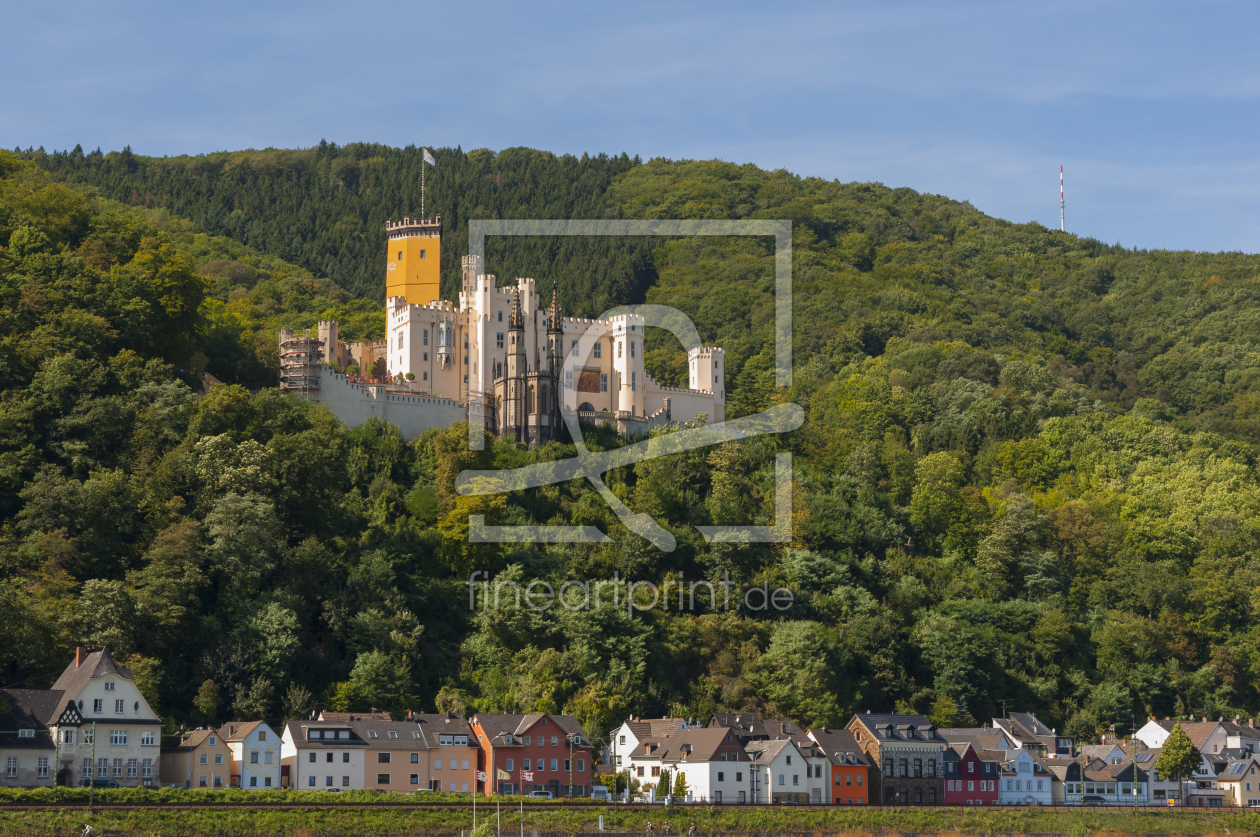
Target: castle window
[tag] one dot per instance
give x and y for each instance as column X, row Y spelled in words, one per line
column 426, row 338
column 426, row 357
column 426, row 376
column 529, row 400
column 618, row 350
column 599, row 350
column 498, row 340
column 400, row 255
column 631, row 348
column 422, row 254
column 603, row 382
column 633, row 377
column 500, row 316
column 400, row 339
column 568, row 379
column 574, row 348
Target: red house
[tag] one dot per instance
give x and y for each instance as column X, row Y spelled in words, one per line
column 537, row 752
column 971, row 777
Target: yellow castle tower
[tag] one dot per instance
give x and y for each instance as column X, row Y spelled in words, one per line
column 414, row 266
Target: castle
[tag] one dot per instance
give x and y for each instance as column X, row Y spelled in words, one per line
column 498, row 358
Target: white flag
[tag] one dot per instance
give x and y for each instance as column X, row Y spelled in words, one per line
column 428, row 158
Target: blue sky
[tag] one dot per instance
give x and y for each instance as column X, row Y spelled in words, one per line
column 1150, row 106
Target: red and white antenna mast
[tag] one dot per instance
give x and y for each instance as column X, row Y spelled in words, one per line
column 1061, row 228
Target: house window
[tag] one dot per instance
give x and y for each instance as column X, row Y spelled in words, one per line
column 722, row 777
column 971, row 767
column 147, row 739
column 253, row 758
column 415, row 758
column 345, row 758
column 382, row 778
column 437, row 764
column 509, row 765
column 781, row 779
column 312, row 758
column 903, row 768
column 102, row 768
column 98, row 705
column 253, row 781
column 118, row 706
column 118, row 736
column 931, row 768
column 109, row 687
column 118, row 768
column 146, row 768
column 415, row 777
column 68, row 736
column 918, row 768
column 526, row 767
column 218, row 758
column 554, row 766
column 205, row 759
column 42, row 768
column 382, row 758
column 888, row 766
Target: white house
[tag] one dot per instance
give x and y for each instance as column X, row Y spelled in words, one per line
column 317, row 755
column 778, row 772
column 1210, row 738
column 1024, row 780
column 110, row 732
column 255, row 754
column 712, row 762
column 633, row 732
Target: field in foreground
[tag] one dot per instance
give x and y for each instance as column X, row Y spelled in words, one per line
column 334, row 819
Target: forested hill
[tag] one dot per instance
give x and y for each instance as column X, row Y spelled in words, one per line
column 1028, row 471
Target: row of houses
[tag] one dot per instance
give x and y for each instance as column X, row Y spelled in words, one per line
column 905, row 760
column 94, row 725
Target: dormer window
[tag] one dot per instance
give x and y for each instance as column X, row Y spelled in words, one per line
column 26, row 733
column 371, row 733
column 393, row 734
column 109, row 686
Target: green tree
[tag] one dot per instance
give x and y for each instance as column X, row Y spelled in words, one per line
column 680, row 785
column 1178, row 758
column 381, row 680
column 207, row 701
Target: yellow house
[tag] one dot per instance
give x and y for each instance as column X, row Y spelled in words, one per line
column 1240, row 780
column 199, row 758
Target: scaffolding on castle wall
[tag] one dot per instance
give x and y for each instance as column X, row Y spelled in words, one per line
column 301, row 355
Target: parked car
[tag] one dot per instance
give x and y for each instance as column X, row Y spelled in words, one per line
column 541, row 795
column 98, row 783
column 332, row 790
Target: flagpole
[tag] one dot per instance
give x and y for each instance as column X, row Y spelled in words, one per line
column 474, row 802
column 422, row 184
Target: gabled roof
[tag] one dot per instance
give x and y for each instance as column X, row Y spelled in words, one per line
column 1237, row 727
column 26, row 706
column 98, row 664
column 747, row 725
column 498, row 726
column 191, row 740
column 408, row 735
column 839, row 745
column 296, row 731
column 1100, row 751
column 346, row 717
column 238, row 730
column 769, row 750
column 697, row 745
column 1115, row 773
column 904, row 727
column 1199, row 731
column 40, row 706
column 1238, row 768
column 433, row 725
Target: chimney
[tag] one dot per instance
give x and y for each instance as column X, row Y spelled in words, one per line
column 80, row 654
column 1251, row 722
